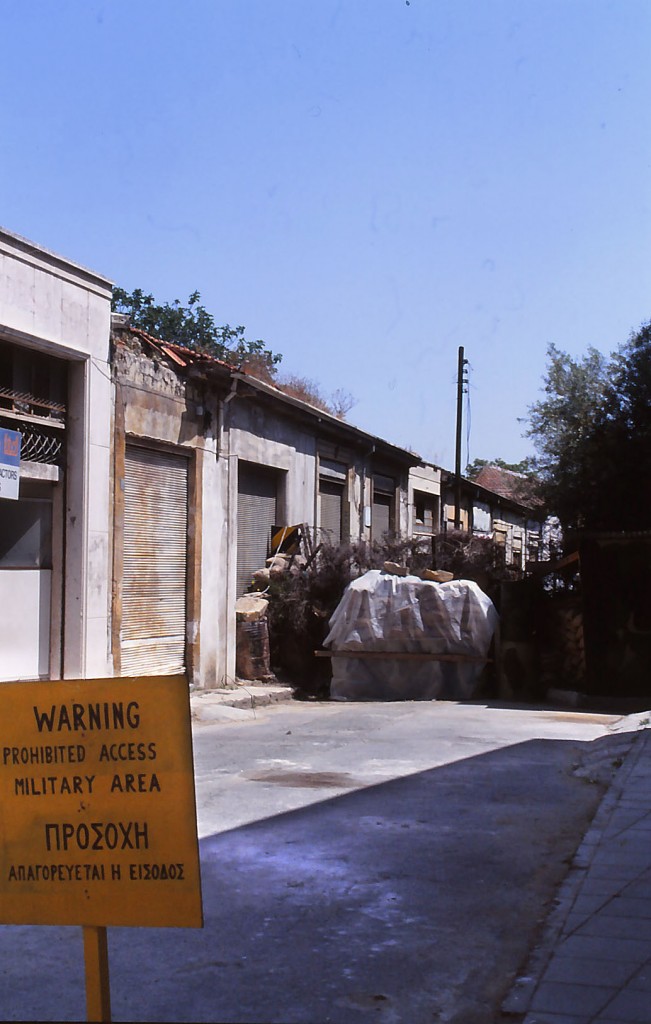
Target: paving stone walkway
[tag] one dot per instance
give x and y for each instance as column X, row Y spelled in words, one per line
column 595, row 967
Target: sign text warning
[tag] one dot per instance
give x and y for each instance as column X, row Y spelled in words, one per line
column 97, row 806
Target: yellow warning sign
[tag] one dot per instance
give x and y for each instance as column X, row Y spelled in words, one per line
column 97, row 805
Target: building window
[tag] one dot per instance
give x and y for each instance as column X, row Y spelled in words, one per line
column 516, row 552
column 332, row 500
column 425, row 513
column 26, row 534
column 499, row 537
column 33, row 401
column 258, row 510
column 331, row 496
column 384, row 500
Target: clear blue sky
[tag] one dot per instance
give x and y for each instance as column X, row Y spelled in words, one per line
column 364, row 184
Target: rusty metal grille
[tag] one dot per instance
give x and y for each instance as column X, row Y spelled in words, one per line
column 25, row 402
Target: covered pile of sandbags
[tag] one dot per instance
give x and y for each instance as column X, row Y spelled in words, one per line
column 401, row 615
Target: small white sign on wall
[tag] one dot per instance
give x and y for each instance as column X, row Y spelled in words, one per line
column 9, row 463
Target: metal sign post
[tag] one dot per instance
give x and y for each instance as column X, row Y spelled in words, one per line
column 98, row 990
column 97, row 811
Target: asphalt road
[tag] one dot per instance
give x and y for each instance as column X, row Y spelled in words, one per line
column 360, row 863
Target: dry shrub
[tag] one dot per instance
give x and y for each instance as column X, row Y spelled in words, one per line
column 473, row 558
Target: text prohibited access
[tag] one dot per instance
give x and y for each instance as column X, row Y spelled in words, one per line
column 97, row 805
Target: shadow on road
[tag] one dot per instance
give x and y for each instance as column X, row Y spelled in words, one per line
column 414, row 900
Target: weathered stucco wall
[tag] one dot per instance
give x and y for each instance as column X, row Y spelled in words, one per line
column 260, row 436
column 160, row 405
column 52, row 302
column 425, row 478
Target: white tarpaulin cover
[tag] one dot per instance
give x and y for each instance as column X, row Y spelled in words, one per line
column 382, row 612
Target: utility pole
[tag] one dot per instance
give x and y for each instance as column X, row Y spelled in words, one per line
column 461, row 380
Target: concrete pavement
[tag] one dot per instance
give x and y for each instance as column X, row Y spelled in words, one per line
column 388, row 862
column 594, row 963
column 382, row 861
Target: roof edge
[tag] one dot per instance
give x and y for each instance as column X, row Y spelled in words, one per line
column 53, row 259
column 329, row 418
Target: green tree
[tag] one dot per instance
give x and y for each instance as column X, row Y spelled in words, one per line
column 194, row 327
column 592, row 432
column 623, row 437
column 562, row 426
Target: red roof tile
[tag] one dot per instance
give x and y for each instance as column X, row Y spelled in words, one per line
column 180, row 354
column 508, row 484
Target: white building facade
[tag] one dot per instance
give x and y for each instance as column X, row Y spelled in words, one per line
column 56, row 537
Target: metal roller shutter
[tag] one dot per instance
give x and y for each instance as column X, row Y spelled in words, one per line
column 256, row 516
column 381, row 518
column 384, row 489
column 332, row 499
column 155, row 563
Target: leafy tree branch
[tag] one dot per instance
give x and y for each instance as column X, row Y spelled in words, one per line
column 194, row 327
column 592, row 432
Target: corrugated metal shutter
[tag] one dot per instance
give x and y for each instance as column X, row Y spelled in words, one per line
column 381, row 519
column 155, row 562
column 256, row 516
column 332, row 499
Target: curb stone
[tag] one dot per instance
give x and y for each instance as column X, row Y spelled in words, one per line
column 244, row 697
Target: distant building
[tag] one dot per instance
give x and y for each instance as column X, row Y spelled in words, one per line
column 501, row 505
column 424, row 500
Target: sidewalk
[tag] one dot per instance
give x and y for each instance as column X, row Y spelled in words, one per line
column 594, row 963
column 218, row 705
